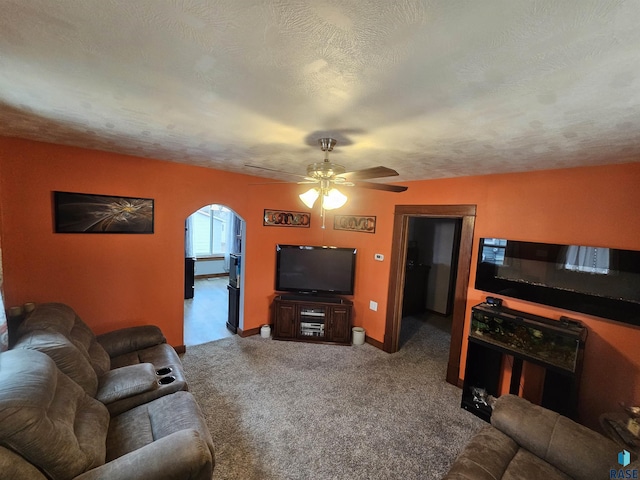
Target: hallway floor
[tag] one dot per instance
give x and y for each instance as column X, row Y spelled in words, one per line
column 205, row 315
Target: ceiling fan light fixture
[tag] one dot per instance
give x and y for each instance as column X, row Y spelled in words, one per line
column 309, row 197
column 333, row 199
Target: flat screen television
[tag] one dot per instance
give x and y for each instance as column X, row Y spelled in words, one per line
column 315, row 270
column 599, row 281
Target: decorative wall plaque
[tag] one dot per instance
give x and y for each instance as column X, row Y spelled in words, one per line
column 355, row 223
column 286, row 218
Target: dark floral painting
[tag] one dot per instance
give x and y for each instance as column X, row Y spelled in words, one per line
column 87, row 213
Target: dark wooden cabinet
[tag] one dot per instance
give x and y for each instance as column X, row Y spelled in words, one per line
column 497, row 333
column 326, row 320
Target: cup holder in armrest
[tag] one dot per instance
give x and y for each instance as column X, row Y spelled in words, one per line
column 164, row 371
column 166, row 380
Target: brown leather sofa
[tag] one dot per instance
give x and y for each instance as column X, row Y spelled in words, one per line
column 51, row 429
column 123, row 368
column 526, row 441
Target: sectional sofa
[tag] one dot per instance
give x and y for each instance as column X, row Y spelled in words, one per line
column 115, row 406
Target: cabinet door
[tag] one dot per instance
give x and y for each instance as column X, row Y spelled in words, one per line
column 340, row 324
column 284, row 323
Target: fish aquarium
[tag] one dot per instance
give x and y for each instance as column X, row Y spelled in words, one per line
column 542, row 340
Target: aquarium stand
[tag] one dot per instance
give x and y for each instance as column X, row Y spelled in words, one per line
column 501, row 337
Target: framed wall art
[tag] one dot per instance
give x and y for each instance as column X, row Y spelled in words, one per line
column 286, row 218
column 89, row 213
column 355, row 223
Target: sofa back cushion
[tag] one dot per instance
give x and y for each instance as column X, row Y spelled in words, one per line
column 69, row 358
column 47, row 418
column 62, row 319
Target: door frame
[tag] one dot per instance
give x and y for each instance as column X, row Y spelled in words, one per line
column 402, row 213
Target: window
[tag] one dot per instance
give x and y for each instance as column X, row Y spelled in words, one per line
column 493, row 250
column 209, row 230
column 587, row 259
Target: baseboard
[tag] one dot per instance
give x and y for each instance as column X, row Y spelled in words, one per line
column 210, row 275
column 180, row 349
column 374, row 342
column 248, row 333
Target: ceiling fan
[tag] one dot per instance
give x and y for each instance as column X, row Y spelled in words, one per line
column 328, row 175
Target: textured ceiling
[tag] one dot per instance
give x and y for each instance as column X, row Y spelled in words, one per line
column 430, row 88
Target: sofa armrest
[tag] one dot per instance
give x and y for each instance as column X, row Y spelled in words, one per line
column 125, row 382
column 130, row 339
column 572, row 448
column 183, row 455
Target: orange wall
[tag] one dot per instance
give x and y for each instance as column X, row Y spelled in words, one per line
column 118, row 280
column 585, row 206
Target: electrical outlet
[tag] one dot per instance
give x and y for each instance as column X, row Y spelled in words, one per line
column 373, row 305
column 379, row 257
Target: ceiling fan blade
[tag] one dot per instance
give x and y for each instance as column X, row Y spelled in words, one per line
column 381, row 186
column 373, row 172
column 274, row 170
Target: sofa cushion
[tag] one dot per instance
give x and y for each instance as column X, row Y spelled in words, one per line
column 61, row 318
column 47, row 418
column 146, row 423
column 162, row 355
column 183, row 455
column 99, row 358
column 15, row 467
column 526, row 465
column 69, row 358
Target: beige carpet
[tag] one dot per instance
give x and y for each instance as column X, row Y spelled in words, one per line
column 287, row 410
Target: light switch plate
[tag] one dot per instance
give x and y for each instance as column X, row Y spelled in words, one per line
column 373, row 305
column 379, row 257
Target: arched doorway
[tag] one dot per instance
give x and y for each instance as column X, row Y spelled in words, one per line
column 213, row 305
column 402, row 214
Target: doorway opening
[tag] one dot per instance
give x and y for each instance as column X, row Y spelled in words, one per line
column 430, row 273
column 213, row 305
column 465, row 218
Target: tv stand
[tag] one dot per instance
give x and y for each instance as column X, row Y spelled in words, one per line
column 304, row 318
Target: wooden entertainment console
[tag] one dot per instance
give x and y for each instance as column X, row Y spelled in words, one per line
column 312, row 319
